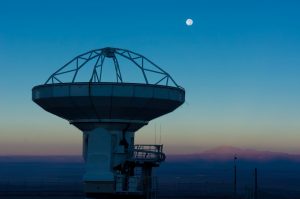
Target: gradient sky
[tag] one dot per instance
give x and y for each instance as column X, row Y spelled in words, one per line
column 239, row 64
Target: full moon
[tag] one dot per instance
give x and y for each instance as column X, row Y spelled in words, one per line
column 189, row 22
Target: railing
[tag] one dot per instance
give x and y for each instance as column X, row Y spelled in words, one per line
column 147, row 153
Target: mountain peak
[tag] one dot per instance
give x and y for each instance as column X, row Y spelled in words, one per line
column 229, row 152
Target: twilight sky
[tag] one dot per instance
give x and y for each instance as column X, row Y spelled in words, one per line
column 239, row 64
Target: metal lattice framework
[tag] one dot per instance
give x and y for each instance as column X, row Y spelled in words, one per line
column 144, row 65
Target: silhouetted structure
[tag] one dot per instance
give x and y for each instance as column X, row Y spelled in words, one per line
column 255, row 184
column 109, row 112
column 234, row 178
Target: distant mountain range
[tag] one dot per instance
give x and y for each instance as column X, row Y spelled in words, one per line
column 45, row 159
column 225, row 153
column 219, row 154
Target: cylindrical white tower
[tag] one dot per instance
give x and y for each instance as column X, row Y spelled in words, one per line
column 109, row 114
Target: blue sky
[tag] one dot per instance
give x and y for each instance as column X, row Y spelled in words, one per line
column 239, row 64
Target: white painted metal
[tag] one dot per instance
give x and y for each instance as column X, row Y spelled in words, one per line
column 103, row 152
column 98, row 155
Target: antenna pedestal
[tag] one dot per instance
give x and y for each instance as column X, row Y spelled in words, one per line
column 106, row 154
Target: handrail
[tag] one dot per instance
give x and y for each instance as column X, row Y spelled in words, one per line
column 147, row 153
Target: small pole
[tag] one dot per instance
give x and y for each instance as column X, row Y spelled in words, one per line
column 255, row 184
column 234, row 178
column 155, row 134
column 160, row 134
